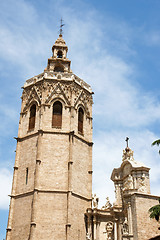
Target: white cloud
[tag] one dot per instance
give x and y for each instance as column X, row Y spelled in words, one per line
column 102, row 55
column 107, row 155
column 5, row 187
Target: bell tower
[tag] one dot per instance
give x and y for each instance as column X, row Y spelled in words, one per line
column 52, row 180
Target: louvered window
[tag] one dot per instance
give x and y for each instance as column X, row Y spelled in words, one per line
column 80, row 120
column 57, row 115
column 32, row 117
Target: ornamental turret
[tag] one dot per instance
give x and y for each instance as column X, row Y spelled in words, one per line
column 59, row 61
column 131, row 177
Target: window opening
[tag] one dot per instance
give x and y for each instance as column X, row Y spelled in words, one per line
column 32, row 117
column 80, row 120
column 57, row 115
column 59, row 54
column 26, row 176
column 59, row 68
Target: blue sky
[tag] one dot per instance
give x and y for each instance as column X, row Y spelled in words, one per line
column 115, row 47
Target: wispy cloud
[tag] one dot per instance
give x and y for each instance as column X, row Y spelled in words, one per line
column 103, row 53
column 5, row 186
column 108, row 155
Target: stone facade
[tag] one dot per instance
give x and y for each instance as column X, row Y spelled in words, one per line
column 128, row 218
column 52, row 182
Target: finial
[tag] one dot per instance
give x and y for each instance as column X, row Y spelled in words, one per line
column 61, row 30
column 127, row 139
column 127, row 152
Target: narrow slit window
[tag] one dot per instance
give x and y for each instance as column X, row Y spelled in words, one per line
column 57, row 115
column 26, row 176
column 80, row 120
column 32, row 117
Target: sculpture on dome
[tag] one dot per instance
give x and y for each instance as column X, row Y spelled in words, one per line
column 107, row 205
column 95, row 201
column 127, row 153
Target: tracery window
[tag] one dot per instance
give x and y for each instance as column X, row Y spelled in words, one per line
column 32, row 117
column 80, row 120
column 57, row 115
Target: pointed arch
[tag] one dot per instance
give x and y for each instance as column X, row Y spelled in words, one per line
column 80, row 120
column 33, row 96
column 59, row 93
column 32, row 117
column 57, row 115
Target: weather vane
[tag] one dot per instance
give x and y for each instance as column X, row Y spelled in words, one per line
column 61, row 26
column 127, row 139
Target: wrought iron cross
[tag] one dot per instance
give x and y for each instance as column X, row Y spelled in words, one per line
column 61, row 30
column 127, row 139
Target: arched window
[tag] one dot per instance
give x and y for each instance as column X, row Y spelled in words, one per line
column 32, row 117
column 59, row 68
column 57, row 115
column 80, row 120
column 59, row 54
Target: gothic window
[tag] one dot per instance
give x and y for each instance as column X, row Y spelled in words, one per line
column 59, row 54
column 32, row 117
column 80, row 120
column 57, row 115
column 59, row 68
column 26, row 176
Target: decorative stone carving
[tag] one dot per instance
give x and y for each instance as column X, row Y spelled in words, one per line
column 109, row 229
column 57, row 91
column 33, row 94
column 125, row 228
column 128, row 183
column 107, row 205
column 127, row 154
column 118, row 194
column 88, row 236
column 83, row 99
column 142, row 183
column 95, row 201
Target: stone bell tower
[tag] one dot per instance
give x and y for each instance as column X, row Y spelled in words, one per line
column 52, row 181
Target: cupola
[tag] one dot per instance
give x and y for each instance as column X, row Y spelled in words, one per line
column 60, row 49
column 59, row 61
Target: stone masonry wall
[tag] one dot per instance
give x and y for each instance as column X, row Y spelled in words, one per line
column 146, row 227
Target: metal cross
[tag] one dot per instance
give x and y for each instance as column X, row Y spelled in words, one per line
column 61, row 31
column 127, row 139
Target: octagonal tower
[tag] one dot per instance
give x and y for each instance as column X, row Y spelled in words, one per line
column 52, row 181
